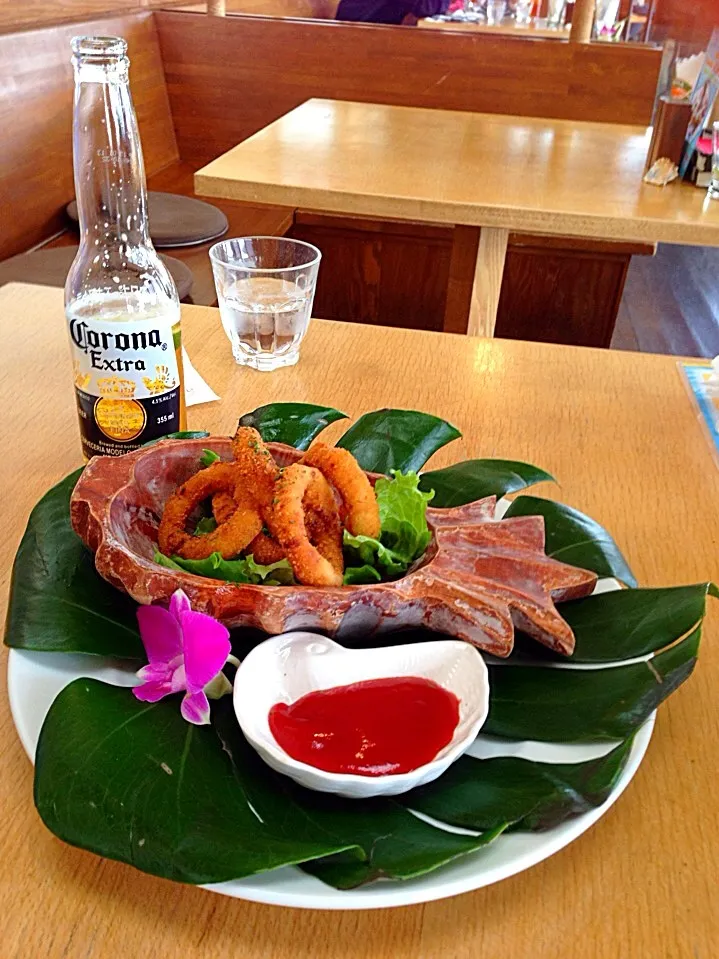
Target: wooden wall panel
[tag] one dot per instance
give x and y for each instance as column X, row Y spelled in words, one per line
column 17, row 14
column 689, row 21
column 36, row 92
column 229, row 78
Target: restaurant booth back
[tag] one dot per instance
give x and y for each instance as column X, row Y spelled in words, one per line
column 197, row 95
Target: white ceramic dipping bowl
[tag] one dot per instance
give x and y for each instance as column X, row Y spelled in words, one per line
column 286, row 667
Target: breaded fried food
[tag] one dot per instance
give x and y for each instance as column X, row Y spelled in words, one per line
column 323, row 523
column 359, row 512
column 305, row 521
column 231, row 537
column 265, row 550
column 255, row 463
column 223, row 506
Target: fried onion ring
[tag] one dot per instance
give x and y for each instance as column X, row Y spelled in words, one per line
column 223, row 506
column 230, row 537
column 323, row 522
column 258, row 469
column 265, row 550
column 255, row 463
column 317, row 563
column 359, row 503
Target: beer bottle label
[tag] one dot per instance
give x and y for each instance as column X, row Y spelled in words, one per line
column 127, row 382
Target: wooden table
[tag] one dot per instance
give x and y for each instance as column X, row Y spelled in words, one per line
column 509, row 28
column 498, row 172
column 619, row 431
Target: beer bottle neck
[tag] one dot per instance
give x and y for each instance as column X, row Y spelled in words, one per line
column 109, row 173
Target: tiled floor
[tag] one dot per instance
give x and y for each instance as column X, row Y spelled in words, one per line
column 671, row 303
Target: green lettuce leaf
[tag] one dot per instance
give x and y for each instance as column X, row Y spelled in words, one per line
column 208, row 524
column 404, row 534
column 364, row 551
column 403, row 514
column 361, row 575
column 243, row 570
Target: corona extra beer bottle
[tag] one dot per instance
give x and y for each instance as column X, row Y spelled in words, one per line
column 121, row 303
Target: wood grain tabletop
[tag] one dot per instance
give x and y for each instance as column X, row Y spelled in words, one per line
column 620, row 433
column 529, row 174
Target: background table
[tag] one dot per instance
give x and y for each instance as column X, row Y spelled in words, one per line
column 498, row 172
column 620, row 433
column 508, row 28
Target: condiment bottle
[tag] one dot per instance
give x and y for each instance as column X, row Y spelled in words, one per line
column 121, row 304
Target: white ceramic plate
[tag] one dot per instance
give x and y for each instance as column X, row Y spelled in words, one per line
column 35, row 679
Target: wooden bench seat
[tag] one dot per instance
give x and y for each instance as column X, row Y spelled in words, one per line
column 245, row 219
column 36, row 162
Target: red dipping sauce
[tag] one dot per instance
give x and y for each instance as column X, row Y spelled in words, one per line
column 373, row 728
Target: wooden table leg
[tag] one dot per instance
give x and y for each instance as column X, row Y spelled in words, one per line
column 462, row 264
column 487, row 281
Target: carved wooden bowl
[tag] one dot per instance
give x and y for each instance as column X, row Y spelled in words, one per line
column 478, row 579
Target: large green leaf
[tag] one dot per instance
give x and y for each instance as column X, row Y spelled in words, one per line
column 58, row 602
column 133, row 781
column 575, row 538
column 584, row 705
column 296, row 424
column 474, row 479
column 484, row 793
column 632, row 622
column 396, row 439
column 402, row 850
column 388, row 841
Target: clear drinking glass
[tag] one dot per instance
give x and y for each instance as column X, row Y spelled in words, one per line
column 523, row 11
column 555, row 12
column 265, row 288
column 496, row 10
column 714, row 184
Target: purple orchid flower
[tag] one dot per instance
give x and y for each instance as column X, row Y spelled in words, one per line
column 186, row 651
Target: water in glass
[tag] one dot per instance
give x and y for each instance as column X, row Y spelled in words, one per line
column 523, row 12
column 265, row 288
column 265, row 319
column 496, row 10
